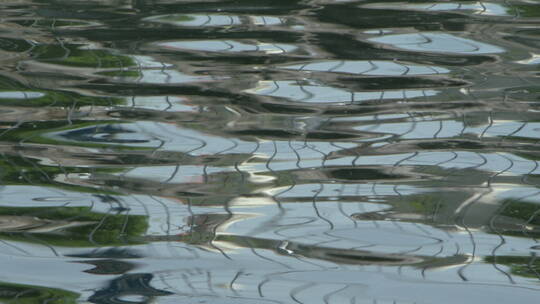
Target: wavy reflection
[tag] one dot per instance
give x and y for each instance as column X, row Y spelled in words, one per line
column 278, row 151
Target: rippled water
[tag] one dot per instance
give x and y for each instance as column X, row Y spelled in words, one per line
column 315, row 151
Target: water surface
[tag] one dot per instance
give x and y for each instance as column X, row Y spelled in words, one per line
column 265, row 151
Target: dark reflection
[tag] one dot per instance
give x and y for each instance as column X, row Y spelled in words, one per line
column 278, row 151
column 109, row 253
column 132, row 288
column 107, row 267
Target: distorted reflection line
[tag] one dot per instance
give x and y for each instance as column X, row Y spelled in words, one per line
column 523, row 125
column 147, row 215
column 375, row 195
column 231, row 283
column 458, row 248
column 43, row 173
column 282, row 227
column 435, row 71
column 426, row 232
column 408, row 158
column 161, row 277
column 97, row 58
column 461, row 214
column 307, row 261
column 252, row 249
column 44, row 243
column 297, row 164
column 34, row 22
column 167, row 75
column 191, row 216
column 98, row 226
column 427, row 40
column 303, row 66
column 169, row 104
column 215, row 228
column 490, row 117
column 381, row 98
column 140, row 74
column 307, row 93
column 370, row 69
column 340, row 207
column 531, row 262
column 397, row 225
column 297, row 290
column 22, row 293
column 484, row 8
column 280, row 48
column 208, row 21
column 173, row 174
column 439, row 130
column 240, row 172
column 230, row 46
column 325, row 156
column 271, row 158
column 454, row 157
column 276, row 85
column 363, row 247
column 202, row 142
column 426, row 268
column 432, row 6
column 510, row 166
column 260, row 287
column 67, row 51
column 188, row 284
column 209, row 282
column 517, row 12
column 524, row 226
column 416, row 249
column 407, row 69
column 167, row 214
column 70, row 113
column 328, row 296
column 119, row 63
column 316, row 209
column 124, row 225
column 411, row 128
column 337, row 66
column 501, row 243
column 15, row 126
column 15, row 247
column 20, row 171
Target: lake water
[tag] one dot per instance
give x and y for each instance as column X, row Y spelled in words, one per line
column 269, row 151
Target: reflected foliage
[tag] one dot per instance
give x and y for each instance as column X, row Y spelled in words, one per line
column 26, row 294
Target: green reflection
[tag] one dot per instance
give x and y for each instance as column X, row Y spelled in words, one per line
column 71, row 226
column 17, row 170
column 30, row 294
column 83, row 58
column 13, row 93
column 528, row 10
column 77, row 133
column 523, row 266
